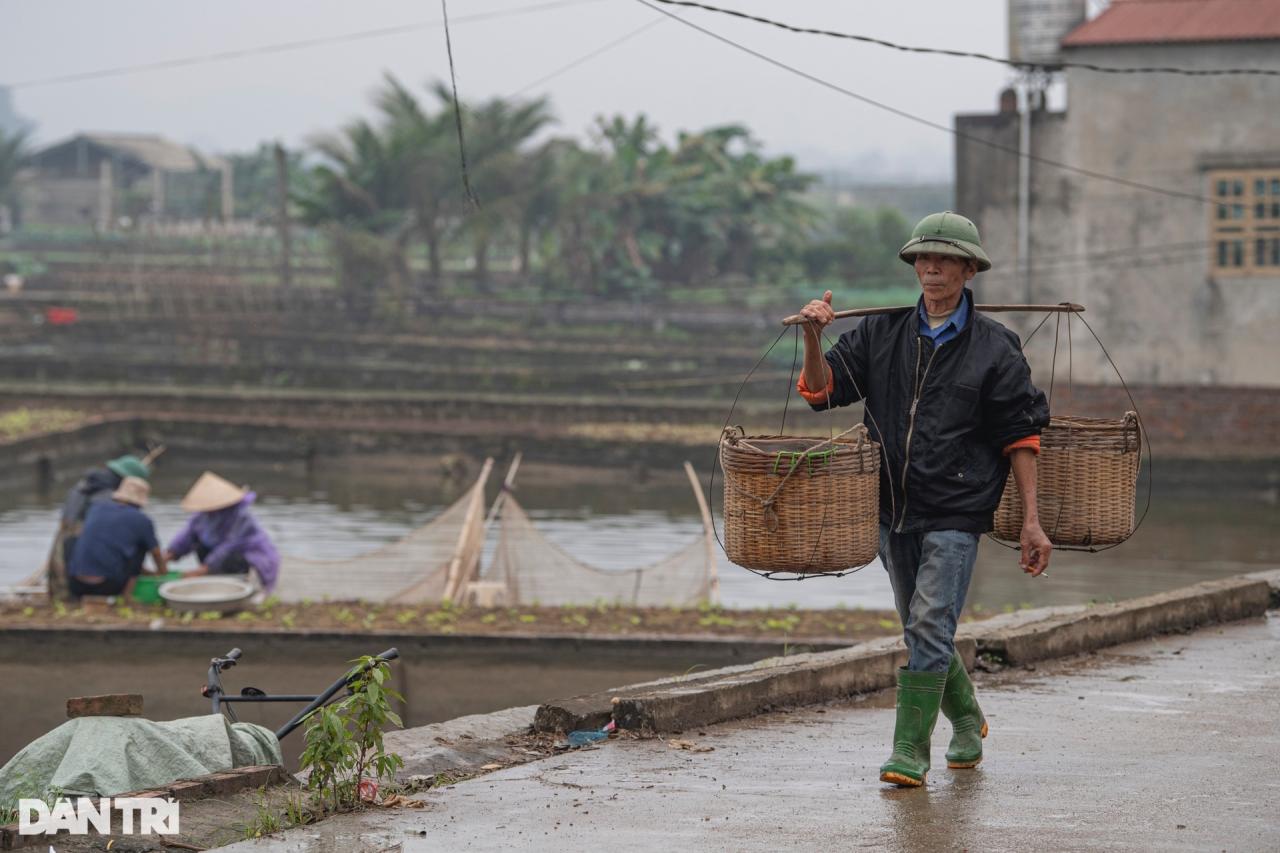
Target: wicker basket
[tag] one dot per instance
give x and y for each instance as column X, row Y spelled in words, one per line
column 1086, row 483
column 803, row 505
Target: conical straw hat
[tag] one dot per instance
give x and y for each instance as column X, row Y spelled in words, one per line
column 211, row 492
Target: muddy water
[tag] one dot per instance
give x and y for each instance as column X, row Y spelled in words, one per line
column 1206, row 520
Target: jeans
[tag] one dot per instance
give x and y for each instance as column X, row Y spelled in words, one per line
column 930, row 575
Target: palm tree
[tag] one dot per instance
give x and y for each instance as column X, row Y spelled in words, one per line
column 13, row 153
column 430, row 167
column 497, row 136
column 359, row 196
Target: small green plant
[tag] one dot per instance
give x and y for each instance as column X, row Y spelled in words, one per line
column 443, row 616
column 265, row 821
column 528, row 618
column 489, row 618
column 287, row 619
column 716, row 620
column 404, row 617
column 296, row 811
column 576, row 619
column 786, row 624
column 25, row 789
column 344, row 740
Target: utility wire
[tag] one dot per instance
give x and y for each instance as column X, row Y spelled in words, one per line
column 1035, row 158
column 283, row 47
column 1013, row 63
column 457, row 108
column 588, row 56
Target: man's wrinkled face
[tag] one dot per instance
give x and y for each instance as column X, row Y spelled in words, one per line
column 942, row 277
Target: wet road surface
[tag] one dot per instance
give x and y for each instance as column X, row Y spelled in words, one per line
column 1168, row 744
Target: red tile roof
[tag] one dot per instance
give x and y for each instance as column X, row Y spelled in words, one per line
column 1149, row 21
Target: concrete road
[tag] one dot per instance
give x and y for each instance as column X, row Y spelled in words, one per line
column 1169, row 744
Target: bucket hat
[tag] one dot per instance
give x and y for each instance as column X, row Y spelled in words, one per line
column 133, row 490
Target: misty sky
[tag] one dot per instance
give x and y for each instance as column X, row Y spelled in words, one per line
column 679, row 77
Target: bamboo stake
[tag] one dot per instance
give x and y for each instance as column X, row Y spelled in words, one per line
column 461, row 553
column 1061, row 307
column 713, row 570
column 507, row 483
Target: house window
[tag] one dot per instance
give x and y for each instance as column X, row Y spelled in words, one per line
column 1245, row 223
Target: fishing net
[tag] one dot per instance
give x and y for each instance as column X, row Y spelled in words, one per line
column 411, row 570
column 532, row 569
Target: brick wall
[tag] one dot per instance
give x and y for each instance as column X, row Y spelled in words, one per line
column 1189, row 421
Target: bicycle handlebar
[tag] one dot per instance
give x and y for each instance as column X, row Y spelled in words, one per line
column 214, row 692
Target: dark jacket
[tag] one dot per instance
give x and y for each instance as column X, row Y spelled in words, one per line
column 943, row 414
column 95, row 486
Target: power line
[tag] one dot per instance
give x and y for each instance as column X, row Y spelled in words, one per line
column 457, row 108
column 1035, row 158
column 283, row 47
column 585, row 57
column 1013, row 63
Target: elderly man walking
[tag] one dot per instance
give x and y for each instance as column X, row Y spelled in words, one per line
column 949, row 395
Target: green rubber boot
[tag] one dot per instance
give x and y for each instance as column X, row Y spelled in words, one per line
column 960, row 706
column 919, row 696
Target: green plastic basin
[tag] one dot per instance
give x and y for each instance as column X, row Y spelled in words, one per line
column 146, row 590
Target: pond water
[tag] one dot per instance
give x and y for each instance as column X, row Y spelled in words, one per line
column 1206, row 520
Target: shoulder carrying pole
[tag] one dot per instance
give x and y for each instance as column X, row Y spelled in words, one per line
column 1061, row 307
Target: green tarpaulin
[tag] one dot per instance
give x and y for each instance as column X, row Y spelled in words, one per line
column 106, row 756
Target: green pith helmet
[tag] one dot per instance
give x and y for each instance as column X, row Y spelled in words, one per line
column 946, row 234
column 130, row 466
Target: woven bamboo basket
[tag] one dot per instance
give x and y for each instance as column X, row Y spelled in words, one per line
column 802, row 505
column 1086, row 482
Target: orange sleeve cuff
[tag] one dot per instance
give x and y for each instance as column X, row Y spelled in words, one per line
column 817, row 396
column 1031, row 442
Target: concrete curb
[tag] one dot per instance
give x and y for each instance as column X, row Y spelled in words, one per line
column 464, row 743
column 1272, row 578
column 1016, row 638
column 724, row 694
column 1225, row 600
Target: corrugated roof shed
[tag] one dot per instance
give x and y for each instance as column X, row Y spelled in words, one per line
column 1156, row 21
column 152, row 150
column 148, row 150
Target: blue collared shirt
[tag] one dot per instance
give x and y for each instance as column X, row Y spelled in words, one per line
column 948, row 330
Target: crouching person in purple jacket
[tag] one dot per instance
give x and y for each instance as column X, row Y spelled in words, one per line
column 224, row 535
